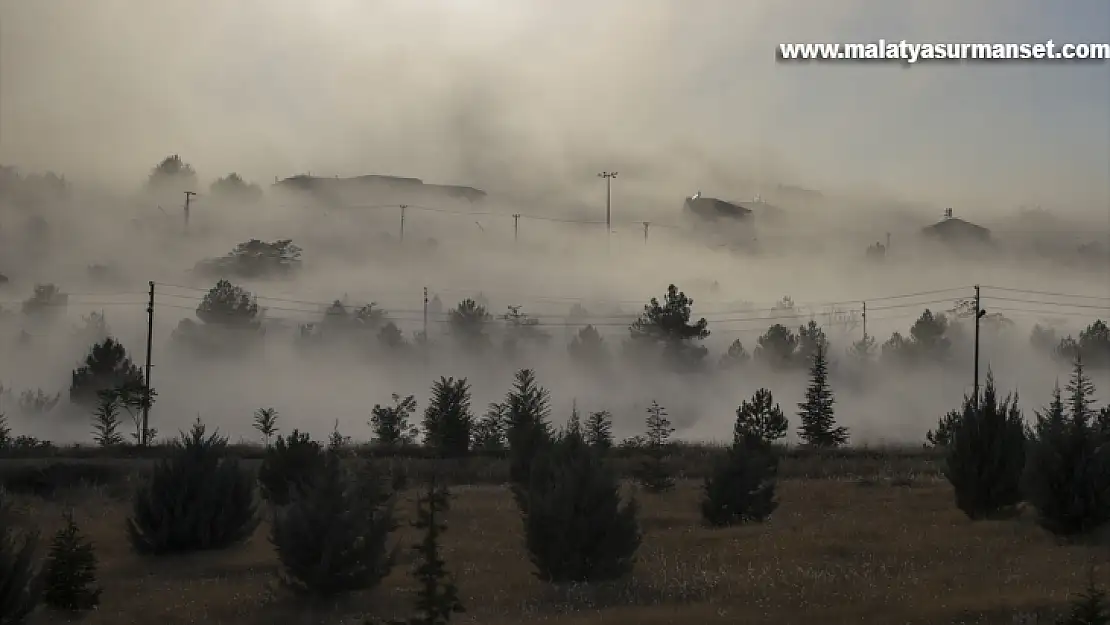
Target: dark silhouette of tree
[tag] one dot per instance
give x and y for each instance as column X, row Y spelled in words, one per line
column 438, row 597
column 332, row 539
column 654, row 473
column 390, row 337
column 1089, row 607
column 391, row 425
column 228, row 305
column 810, row 337
column 1067, row 475
column 986, row 454
column 668, row 326
column 575, row 528
column 46, row 301
column 598, row 430
column 520, row 330
column 741, row 486
column 928, row 341
column 760, row 418
column 489, row 430
column 863, row 350
column 196, row 499
column 528, row 408
column 106, row 420
column 1093, row 345
column 266, row 422
column 172, row 174
column 233, row 187
column 20, row 580
column 448, row 422
column 107, row 367
column 587, row 347
column 776, row 347
column 69, row 574
column 735, row 357
column 467, row 325
column 290, row 463
column 818, row 424
column 255, row 259
column 941, row 436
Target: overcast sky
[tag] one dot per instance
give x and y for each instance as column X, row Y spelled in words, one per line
column 542, row 94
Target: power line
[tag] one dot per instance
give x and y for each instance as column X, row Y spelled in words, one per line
column 1049, row 294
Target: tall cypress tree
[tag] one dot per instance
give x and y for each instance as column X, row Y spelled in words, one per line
column 528, row 408
column 447, row 419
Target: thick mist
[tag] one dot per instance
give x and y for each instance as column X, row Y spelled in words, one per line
column 528, row 103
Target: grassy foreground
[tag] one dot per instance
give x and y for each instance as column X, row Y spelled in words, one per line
column 857, row 539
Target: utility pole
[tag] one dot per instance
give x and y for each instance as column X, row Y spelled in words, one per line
column 427, row 344
column 979, row 312
column 149, row 348
column 608, row 176
column 864, row 322
column 647, row 224
column 403, row 207
column 516, row 226
column 188, row 196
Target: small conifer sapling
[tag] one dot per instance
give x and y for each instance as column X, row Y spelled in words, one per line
column 70, row 571
column 654, row 474
column 265, row 421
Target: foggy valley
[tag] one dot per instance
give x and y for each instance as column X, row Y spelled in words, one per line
column 465, row 114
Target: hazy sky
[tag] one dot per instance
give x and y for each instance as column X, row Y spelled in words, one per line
column 541, row 95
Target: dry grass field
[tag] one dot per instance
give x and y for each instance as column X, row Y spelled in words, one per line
column 873, row 541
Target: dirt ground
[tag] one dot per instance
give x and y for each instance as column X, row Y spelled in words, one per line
column 837, row 551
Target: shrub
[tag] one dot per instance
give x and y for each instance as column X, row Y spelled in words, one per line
column 1089, row 607
column 741, row 487
column 332, row 537
column 70, row 571
column 292, row 460
column 986, row 454
column 575, row 528
column 195, row 499
column 20, row 581
column 266, row 422
column 1067, row 477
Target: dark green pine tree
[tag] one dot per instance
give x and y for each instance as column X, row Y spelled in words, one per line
column 438, row 597
column 447, row 419
column 69, row 575
column 333, row 537
column 598, row 430
column 761, row 417
column 1067, row 476
column 818, row 423
column 528, row 409
column 986, row 455
column 575, row 528
column 1053, row 419
column 741, row 486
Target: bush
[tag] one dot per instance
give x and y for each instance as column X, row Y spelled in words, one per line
column 195, row 499
column 332, row 537
column 40, row 480
column 1089, row 608
column 986, row 454
column 20, row 581
column 741, row 488
column 1067, row 477
column 70, row 572
column 575, row 528
column 291, row 461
